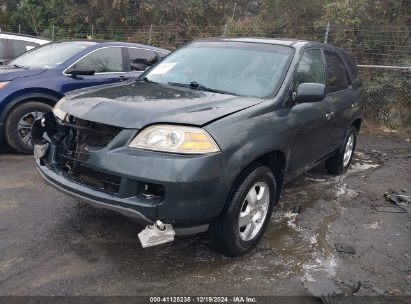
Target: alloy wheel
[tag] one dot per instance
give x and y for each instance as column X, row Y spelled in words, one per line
column 349, row 148
column 24, row 126
column 254, row 211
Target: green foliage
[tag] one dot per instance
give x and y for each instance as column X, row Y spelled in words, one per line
column 39, row 15
column 387, row 95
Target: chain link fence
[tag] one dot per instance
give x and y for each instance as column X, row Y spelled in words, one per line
column 388, row 96
column 382, row 52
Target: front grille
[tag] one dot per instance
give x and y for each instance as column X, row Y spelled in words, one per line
column 81, row 137
column 87, row 135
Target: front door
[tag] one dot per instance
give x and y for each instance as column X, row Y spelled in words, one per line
column 310, row 122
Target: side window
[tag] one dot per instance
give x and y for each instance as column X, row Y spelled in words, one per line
column 104, row 60
column 141, row 59
column 20, row 47
column 336, row 74
column 310, row 68
column 352, row 64
column 3, row 50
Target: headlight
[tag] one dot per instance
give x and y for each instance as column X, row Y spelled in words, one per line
column 3, row 84
column 174, row 138
column 58, row 112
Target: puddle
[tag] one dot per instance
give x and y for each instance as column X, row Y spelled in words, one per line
column 300, row 240
column 344, row 191
column 361, row 167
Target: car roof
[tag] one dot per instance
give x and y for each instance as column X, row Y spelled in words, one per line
column 97, row 42
column 277, row 41
column 298, row 44
column 280, row 41
column 8, row 35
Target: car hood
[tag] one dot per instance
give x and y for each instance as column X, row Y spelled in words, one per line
column 138, row 104
column 10, row 73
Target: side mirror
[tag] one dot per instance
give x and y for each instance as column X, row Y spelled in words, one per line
column 80, row 70
column 310, row 92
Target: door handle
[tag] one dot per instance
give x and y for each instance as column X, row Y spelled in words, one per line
column 354, row 105
column 122, row 78
column 329, row 115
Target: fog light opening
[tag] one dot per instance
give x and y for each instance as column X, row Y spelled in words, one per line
column 149, row 191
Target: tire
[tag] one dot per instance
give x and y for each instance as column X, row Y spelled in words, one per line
column 18, row 125
column 336, row 164
column 229, row 237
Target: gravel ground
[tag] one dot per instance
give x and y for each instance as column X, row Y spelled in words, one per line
column 51, row 244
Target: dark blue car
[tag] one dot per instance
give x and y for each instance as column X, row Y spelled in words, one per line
column 32, row 83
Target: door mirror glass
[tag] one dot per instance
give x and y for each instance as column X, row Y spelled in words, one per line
column 309, row 92
column 80, row 70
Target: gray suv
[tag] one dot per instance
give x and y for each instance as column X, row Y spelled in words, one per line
column 207, row 138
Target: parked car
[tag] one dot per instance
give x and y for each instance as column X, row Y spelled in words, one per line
column 207, row 138
column 32, row 83
column 13, row 45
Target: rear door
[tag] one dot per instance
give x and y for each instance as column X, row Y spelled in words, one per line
column 109, row 66
column 340, row 94
column 310, row 121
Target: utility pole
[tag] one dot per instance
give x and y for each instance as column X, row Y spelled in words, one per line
column 327, row 31
column 149, row 34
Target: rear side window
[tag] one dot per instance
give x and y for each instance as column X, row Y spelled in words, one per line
column 104, row 60
column 336, row 74
column 20, row 47
column 310, row 68
column 3, row 49
column 141, row 59
column 352, row 64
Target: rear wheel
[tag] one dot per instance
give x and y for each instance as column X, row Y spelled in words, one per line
column 240, row 228
column 340, row 161
column 19, row 122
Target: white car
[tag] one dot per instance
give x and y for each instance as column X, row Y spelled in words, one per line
column 13, row 45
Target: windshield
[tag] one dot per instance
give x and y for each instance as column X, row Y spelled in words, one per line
column 246, row 69
column 49, row 55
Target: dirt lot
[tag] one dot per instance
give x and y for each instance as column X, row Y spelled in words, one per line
column 52, row 245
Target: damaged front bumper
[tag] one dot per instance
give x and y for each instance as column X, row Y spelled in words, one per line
column 187, row 191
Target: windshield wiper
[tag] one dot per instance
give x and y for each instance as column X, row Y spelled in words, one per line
column 195, row 85
column 18, row 66
column 145, row 79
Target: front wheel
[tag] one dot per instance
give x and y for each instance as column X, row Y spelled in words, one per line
column 19, row 122
column 240, row 228
column 341, row 159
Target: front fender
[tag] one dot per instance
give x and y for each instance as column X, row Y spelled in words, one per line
column 14, row 99
column 247, row 135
